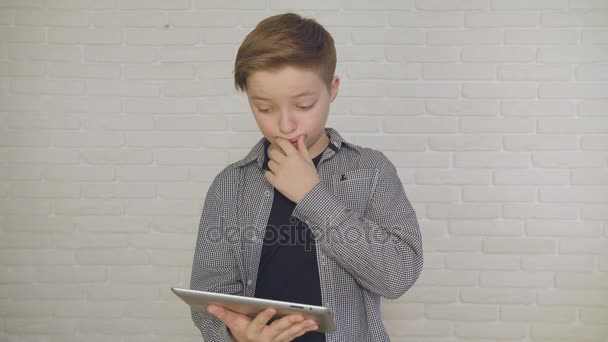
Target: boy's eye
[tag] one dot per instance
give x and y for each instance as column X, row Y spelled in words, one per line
column 305, row 107
column 263, row 110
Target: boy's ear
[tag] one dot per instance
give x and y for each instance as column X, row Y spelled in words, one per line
column 335, row 84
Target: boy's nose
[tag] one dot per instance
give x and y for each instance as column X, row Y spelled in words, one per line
column 286, row 123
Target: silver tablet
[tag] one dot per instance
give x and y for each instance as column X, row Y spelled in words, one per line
column 250, row 306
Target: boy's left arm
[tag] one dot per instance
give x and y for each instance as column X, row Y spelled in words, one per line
column 386, row 254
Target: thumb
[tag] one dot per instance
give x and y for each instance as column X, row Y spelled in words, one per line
column 232, row 320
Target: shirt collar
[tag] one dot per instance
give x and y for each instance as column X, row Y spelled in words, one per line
column 258, row 152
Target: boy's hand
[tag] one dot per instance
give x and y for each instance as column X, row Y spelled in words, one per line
column 292, row 171
column 244, row 329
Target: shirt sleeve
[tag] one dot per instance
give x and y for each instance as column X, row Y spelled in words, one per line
column 381, row 249
column 213, row 267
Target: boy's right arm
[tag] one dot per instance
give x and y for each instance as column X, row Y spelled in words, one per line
column 214, row 268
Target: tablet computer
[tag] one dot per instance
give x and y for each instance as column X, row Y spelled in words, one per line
column 251, row 306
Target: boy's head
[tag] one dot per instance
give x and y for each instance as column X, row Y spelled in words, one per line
column 286, row 40
column 286, row 66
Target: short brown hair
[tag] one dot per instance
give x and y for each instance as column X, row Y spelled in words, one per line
column 282, row 40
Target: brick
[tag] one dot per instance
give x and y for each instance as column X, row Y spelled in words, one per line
column 573, row 160
column 426, row 19
column 28, row 308
column 592, row 72
column 498, row 296
column 69, row 274
column 500, row 91
column 118, row 190
column 87, row 308
column 22, row 35
column 588, row 4
column 540, row 142
column 51, row 87
column 394, row 36
column 418, row 159
column 592, row 108
column 172, row 190
column 36, row 257
column 419, row 330
column 88, row 139
column 39, row 156
column 517, row 313
column 581, row 280
column 171, row 258
column 528, row 4
column 44, row 190
column 493, row 125
column 198, row 88
column 573, row 297
column 88, row 207
column 534, row 73
column 382, row 4
column 220, row 105
column 349, row 18
column 24, row 138
column 154, row 4
column 519, row 246
column 161, row 37
column 21, row 172
column 117, row 156
column 521, row 19
column 578, row 54
column 163, row 71
column 396, row 311
column 196, row 54
column 438, row 5
column 231, row 141
column 191, row 157
column 464, row 143
column 25, row 207
column 452, row 177
column 579, row 91
column 542, row 37
column 465, row 37
column 595, row 142
column 428, row 90
column 80, row 36
column 52, row 18
column 37, row 224
column 151, row 173
column 26, row 240
column 447, row 278
column 431, row 295
column 122, row 88
column 190, row 123
column 208, row 71
column 158, row 207
column 585, row 194
column 486, row 228
column 586, row 332
column 463, row 107
column 161, row 241
column 373, row 71
column 358, row 53
column 559, row 263
column 498, row 194
column 461, row 312
column 434, row 194
column 351, row 124
column 404, row 54
column 88, row 71
column 120, row 54
column 594, row 36
column 538, row 108
column 365, row 89
column 385, row 106
column 445, row 71
column 113, row 19
column 463, row 211
column 491, row 330
column 112, row 256
column 452, row 245
column 516, row 279
column 573, row 125
column 491, row 160
column 574, row 18
column 485, row 54
column 51, row 53
column 554, row 228
column 160, row 106
column 22, row 69
column 540, row 211
column 593, row 315
column 419, row 125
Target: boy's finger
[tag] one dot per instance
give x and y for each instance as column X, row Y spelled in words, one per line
column 285, row 145
column 260, row 321
column 226, row 316
column 302, row 147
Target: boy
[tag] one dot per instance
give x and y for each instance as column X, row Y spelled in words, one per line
column 306, row 216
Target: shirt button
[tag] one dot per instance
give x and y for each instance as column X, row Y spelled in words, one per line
column 267, row 193
column 249, row 282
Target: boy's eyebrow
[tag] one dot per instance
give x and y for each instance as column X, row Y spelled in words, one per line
column 309, row 92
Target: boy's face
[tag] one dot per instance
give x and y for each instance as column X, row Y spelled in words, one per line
column 292, row 102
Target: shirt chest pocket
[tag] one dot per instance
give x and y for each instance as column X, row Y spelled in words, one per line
column 354, row 187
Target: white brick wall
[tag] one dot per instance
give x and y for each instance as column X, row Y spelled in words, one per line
column 116, row 115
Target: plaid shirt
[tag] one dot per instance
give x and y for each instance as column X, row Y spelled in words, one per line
column 368, row 240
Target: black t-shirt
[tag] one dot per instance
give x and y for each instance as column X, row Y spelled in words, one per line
column 288, row 269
